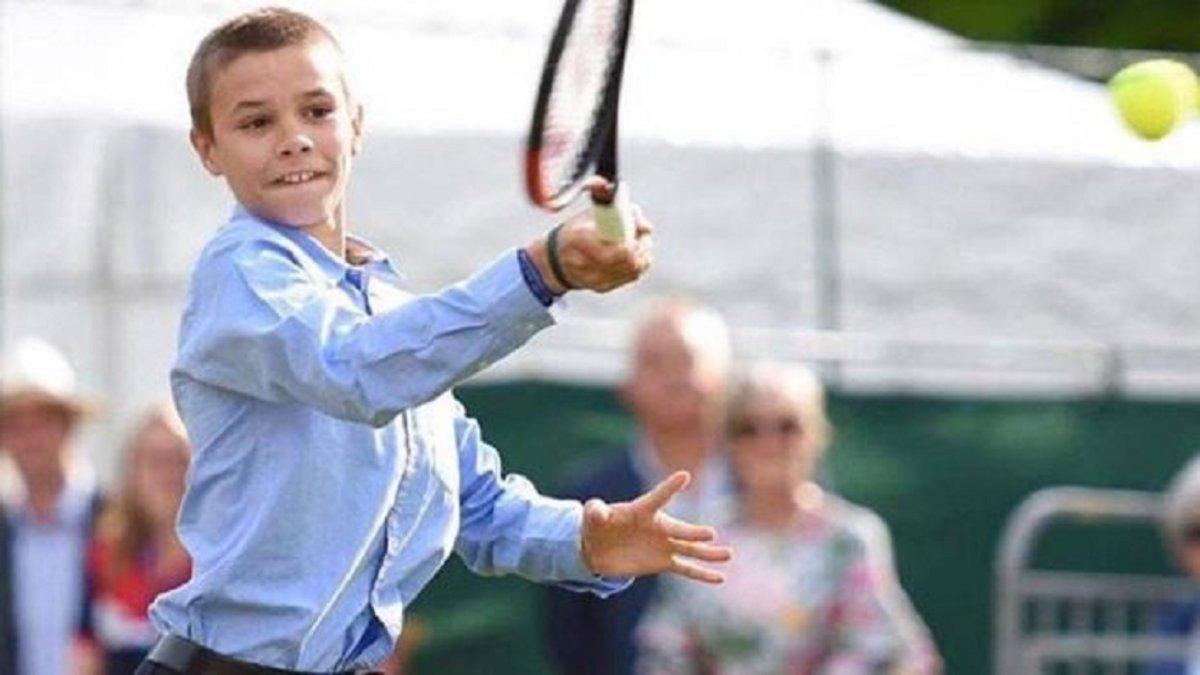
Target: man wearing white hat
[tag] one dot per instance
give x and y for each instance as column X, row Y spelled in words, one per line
column 48, row 497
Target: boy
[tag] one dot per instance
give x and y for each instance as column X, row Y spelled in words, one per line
column 333, row 472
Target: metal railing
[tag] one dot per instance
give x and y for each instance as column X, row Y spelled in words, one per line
column 1080, row 622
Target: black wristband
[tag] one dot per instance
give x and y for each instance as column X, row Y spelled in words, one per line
column 555, row 263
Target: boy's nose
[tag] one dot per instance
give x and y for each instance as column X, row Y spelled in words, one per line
column 295, row 144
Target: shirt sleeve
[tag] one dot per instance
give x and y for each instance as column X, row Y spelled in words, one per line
column 508, row 528
column 260, row 324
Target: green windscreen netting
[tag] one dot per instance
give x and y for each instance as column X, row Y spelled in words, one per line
column 944, row 474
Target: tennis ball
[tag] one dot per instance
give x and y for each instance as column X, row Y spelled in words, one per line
column 1155, row 97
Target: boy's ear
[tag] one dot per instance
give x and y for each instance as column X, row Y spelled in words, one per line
column 203, row 143
column 356, row 125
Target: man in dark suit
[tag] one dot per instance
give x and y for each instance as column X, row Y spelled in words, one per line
column 675, row 389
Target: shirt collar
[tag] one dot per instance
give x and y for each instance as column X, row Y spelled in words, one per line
column 332, row 265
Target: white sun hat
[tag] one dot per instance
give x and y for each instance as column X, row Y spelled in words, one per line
column 35, row 371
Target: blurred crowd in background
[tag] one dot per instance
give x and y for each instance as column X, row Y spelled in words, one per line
column 813, row 587
column 1017, row 211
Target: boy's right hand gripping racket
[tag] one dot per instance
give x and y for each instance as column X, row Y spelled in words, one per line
column 574, row 126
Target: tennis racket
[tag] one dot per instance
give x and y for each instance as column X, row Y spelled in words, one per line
column 573, row 136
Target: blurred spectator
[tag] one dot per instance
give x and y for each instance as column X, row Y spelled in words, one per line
column 136, row 553
column 1181, row 528
column 48, row 496
column 812, row 587
column 674, row 389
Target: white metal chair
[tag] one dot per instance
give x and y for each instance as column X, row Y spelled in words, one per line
column 1080, row 623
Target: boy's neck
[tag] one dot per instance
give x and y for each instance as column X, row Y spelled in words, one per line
column 332, row 236
column 331, row 233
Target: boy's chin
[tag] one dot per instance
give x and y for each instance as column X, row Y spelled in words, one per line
column 293, row 216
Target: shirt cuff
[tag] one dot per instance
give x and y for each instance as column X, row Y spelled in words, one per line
column 517, row 298
column 533, row 279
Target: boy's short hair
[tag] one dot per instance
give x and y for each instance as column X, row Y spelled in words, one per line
column 261, row 30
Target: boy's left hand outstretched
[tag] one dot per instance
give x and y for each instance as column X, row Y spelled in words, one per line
column 636, row 538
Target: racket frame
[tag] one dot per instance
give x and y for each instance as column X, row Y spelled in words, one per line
column 601, row 148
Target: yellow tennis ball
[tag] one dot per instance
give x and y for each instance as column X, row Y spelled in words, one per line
column 1155, row 97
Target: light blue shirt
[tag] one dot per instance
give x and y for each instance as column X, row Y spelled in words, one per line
column 333, row 472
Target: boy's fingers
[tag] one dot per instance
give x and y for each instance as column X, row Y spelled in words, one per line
column 658, row 497
column 705, row 552
column 596, row 253
column 614, row 256
column 642, row 227
column 678, row 529
column 600, row 188
column 635, row 267
column 645, row 258
column 693, row 571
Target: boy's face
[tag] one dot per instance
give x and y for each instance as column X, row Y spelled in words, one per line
column 283, row 132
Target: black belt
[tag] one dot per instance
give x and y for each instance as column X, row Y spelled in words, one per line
column 189, row 658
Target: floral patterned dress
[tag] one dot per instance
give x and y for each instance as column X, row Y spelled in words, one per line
column 819, row 598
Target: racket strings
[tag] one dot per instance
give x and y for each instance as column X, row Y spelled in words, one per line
column 577, row 97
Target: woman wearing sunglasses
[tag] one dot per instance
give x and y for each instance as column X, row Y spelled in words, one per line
column 812, row 588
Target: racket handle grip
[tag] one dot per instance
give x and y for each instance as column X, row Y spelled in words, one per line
column 614, row 221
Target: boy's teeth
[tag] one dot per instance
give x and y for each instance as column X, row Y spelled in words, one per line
column 298, row 177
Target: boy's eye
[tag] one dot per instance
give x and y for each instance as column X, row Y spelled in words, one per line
column 320, row 111
column 255, row 122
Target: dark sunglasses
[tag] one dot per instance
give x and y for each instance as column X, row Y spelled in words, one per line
column 1191, row 534
column 781, row 426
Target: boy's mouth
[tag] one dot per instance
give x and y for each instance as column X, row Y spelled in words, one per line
column 298, row 177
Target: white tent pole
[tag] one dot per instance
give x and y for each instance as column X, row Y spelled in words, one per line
column 3, row 192
column 103, row 298
column 825, row 247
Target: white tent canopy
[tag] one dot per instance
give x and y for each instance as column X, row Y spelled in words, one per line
column 748, row 74
column 994, row 227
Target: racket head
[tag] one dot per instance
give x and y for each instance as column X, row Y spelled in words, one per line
column 574, row 115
